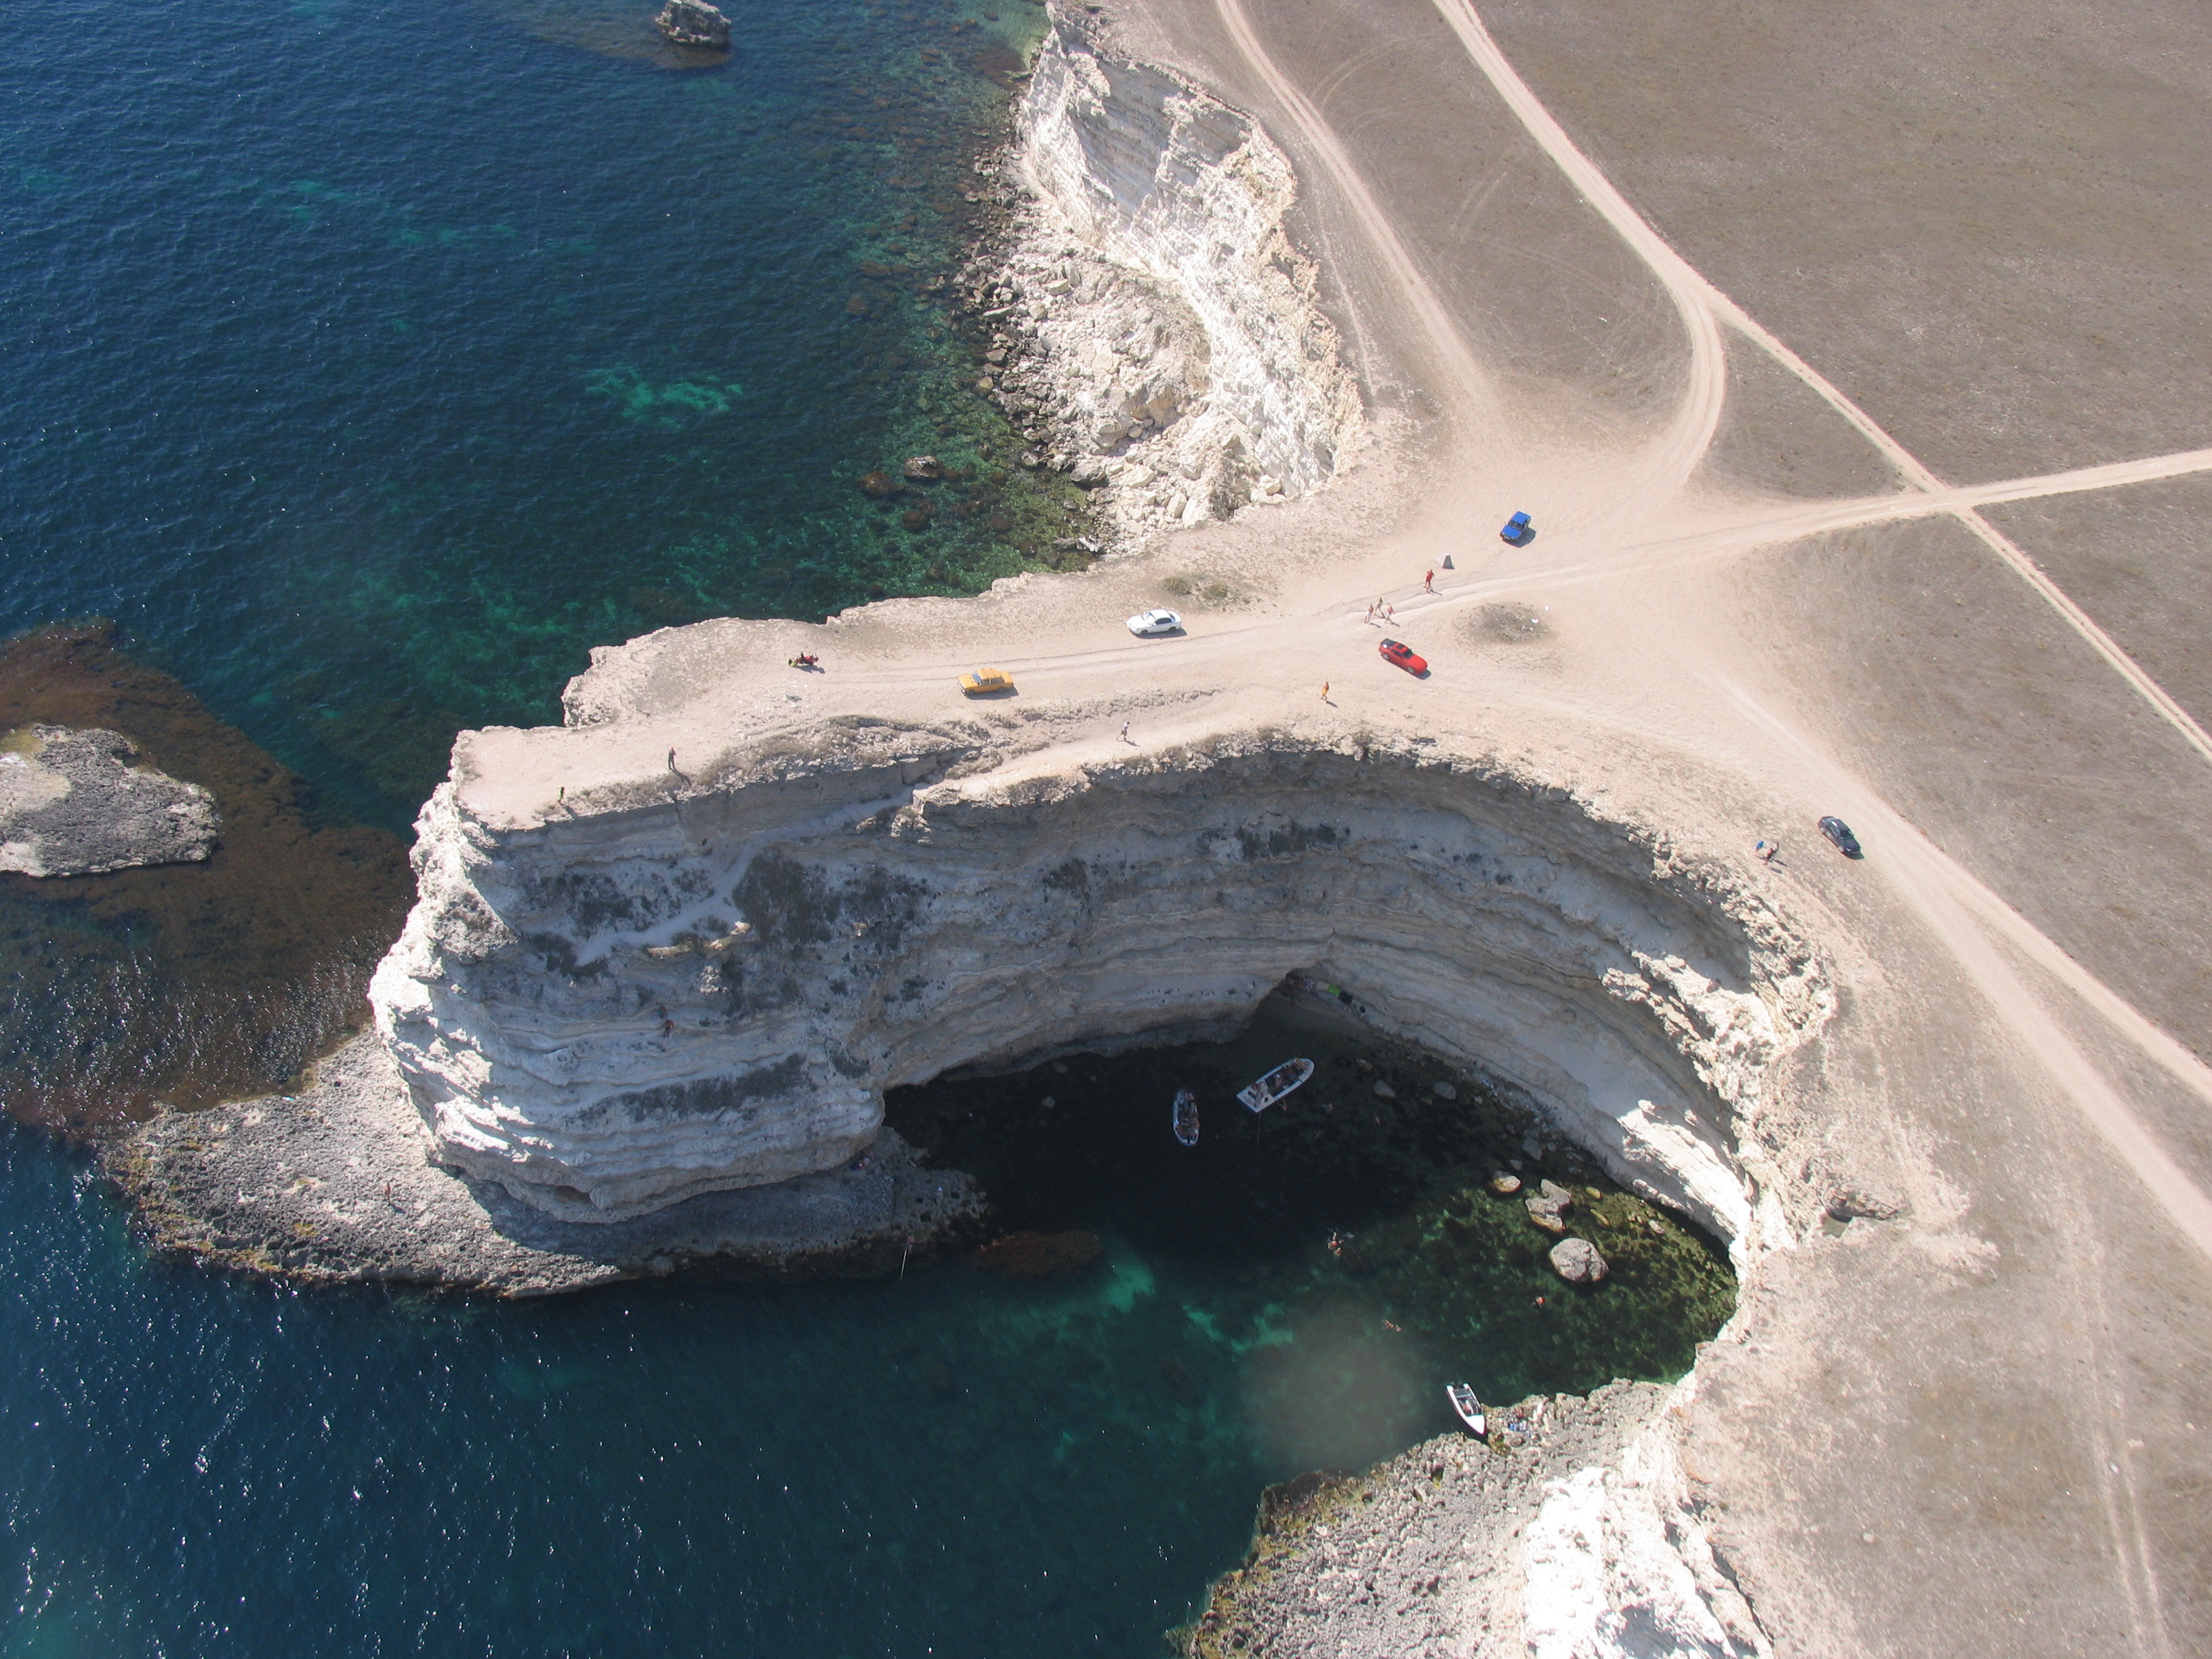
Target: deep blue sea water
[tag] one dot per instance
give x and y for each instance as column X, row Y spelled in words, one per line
column 367, row 361
column 370, row 360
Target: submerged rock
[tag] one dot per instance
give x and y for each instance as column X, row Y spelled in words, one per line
column 77, row 802
column 694, row 23
column 1038, row 1256
column 1548, row 1206
column 880, row 486
column 924, row 469
column 1577, row 1261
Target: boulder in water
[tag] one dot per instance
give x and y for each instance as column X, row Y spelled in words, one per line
column 1548, row 1206
column 694, row 23
column 1504, row 1185
column 924, row 469
column 77, row 803
column 1038, row 1256
column 1577, row 1261
column 880, row 486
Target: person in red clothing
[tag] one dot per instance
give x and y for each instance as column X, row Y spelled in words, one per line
column 1429, row 581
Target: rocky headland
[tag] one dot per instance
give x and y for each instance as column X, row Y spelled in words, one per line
column 80, row 802
column 1151, row 324
column 1570, row 1529
column 666, row 958
column 340, row 1183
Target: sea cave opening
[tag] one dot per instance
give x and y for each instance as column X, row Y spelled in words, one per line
column 1331, row 1261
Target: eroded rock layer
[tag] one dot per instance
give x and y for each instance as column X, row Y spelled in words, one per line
column 1153, row 306
column 610, row 1010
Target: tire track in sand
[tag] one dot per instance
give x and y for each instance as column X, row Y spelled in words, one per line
column 1467, row 375
column 1690, row 290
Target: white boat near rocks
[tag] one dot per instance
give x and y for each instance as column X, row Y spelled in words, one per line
column 1281, row 1081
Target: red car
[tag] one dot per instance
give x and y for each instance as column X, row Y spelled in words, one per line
column 1403, row 656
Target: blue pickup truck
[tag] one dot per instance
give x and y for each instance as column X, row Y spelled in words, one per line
column 1515, row 528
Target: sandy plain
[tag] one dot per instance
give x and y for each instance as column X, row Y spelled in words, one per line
column 1756, row 316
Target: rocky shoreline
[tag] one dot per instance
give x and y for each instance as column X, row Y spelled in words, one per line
column 1155, row 335
column 338, row 1185
column 1571, row 1529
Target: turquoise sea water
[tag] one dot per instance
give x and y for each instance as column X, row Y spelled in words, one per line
column 368, row 361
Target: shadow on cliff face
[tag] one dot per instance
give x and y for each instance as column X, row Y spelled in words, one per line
column 183, row 984
column 1354, row 1255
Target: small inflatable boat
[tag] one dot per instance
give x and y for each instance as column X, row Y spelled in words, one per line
column 1186, row 1117
column 1468, row 1407
column 1276, row 1084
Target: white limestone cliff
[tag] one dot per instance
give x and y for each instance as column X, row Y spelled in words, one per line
column 610, row 1010
column 1154, row 308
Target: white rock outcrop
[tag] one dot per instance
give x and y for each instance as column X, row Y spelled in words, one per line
column 1154, row 309
column 611, row 1010
column 1616, row 1564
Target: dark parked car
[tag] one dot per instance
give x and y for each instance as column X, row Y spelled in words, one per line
column 1840, row 834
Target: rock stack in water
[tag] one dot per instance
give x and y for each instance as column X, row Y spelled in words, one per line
column 694, row 23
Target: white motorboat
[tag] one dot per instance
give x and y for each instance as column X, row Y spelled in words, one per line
column 1468, row 1407
column 1276, row 1084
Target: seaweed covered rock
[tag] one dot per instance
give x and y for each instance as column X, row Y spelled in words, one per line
column 1038, row 1256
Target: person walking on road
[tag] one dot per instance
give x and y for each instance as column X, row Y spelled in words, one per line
column 1324, row 690
column 1125, row 731
column 1766, row 850
column 1429, row 581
